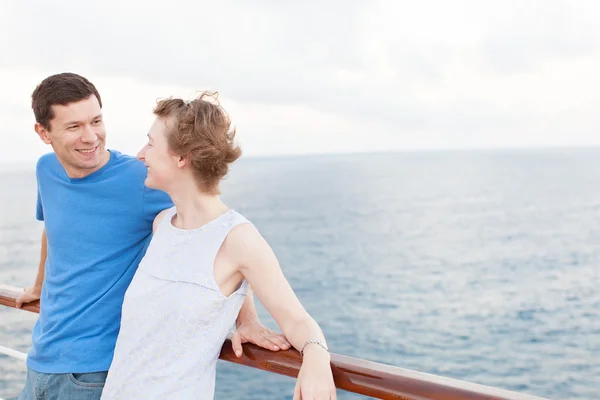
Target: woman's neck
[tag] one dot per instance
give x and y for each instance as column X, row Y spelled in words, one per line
column 196, row 208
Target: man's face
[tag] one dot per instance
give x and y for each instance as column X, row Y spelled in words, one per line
column 77, row 135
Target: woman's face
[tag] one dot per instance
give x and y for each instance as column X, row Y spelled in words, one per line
column 162, row 163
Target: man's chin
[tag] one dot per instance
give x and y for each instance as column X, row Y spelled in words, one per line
column 90, row 165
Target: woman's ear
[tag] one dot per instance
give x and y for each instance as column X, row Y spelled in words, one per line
column 182, row 161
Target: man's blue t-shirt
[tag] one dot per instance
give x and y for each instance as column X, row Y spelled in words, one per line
column 98, row 228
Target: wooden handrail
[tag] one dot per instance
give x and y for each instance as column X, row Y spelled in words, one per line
column 351, row 374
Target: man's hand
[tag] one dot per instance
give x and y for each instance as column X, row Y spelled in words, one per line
column 254, row 332
column 30, row 294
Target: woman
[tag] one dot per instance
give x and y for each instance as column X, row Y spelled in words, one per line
column 200, row 264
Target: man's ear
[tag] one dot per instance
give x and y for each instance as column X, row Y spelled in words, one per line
column 42, row 133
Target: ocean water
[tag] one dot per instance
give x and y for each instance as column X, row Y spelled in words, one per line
column 482, row 266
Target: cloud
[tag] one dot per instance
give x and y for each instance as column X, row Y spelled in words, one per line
column 424, row 74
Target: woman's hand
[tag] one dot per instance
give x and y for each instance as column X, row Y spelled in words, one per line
column 254, row 332
column 315, row 380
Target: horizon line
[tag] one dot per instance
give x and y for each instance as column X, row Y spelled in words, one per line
column 375, row 152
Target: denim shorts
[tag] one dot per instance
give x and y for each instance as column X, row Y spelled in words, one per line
column 85, row 386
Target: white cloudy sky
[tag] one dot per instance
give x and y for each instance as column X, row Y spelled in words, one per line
column 313, row 77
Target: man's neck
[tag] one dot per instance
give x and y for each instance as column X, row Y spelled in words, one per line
column 78, row 173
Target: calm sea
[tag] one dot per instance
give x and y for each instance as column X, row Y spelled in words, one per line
column 483, row 266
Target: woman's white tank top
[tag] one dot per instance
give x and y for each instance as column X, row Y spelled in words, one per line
column 174, row 317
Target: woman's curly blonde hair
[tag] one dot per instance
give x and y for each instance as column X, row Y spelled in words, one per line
column 201, row 132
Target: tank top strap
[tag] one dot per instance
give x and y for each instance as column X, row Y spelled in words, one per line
column 217, row 232
column 166, row 218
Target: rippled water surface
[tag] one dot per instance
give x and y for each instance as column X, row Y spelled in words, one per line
column 482, row 266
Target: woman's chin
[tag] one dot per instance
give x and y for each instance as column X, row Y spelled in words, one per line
column 152, row 184
column 149, row 182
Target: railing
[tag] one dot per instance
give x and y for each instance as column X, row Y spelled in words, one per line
column 351, row 374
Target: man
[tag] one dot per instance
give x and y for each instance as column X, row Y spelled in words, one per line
column 97, row 217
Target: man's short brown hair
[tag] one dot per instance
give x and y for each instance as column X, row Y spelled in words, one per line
column 60, row 89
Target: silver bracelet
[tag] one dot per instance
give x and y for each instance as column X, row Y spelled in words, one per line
column 320, row 343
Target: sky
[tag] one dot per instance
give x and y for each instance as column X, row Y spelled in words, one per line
column 317, row 77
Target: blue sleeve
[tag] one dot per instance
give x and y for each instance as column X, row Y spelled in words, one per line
column 154, row 202
column 39, row 212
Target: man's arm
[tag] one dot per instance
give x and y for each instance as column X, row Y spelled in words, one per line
column 33, row 293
